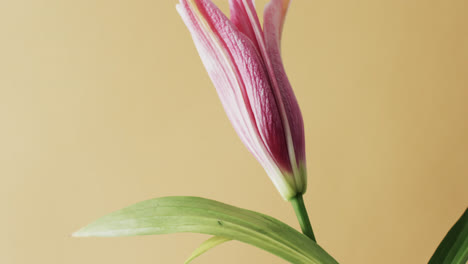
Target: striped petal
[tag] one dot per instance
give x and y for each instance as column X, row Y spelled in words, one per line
column 240, row 19
column 268, row 42
column 273, row 21
column 239, row 75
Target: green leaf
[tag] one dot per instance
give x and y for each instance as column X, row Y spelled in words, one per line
column 198, row 215
column 205, row 246
column 454, row 247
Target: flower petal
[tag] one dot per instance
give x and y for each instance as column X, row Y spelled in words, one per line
column 283, row 94
column 239, row 76
column 274, row 16
column 241, row 20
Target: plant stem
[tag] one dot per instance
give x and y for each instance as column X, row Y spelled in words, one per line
column 301, row 213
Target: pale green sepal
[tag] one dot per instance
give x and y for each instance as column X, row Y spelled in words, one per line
column 205, row 246
column 197, row 215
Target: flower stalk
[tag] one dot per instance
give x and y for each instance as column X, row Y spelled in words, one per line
column 302, row 216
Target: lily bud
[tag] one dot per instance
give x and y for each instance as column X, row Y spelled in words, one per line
column 244, row 63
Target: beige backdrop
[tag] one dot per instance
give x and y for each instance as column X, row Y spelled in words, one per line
column 105, row 103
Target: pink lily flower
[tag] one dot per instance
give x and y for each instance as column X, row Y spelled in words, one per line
column 244, row 63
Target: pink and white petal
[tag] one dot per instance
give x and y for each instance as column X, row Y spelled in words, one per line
column 236, row 70
column 274, row 17
column 221, row 74
column 284, row 108
column 241, row 20
column 259, row 96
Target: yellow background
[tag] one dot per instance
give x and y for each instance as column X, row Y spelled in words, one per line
column 106, row 103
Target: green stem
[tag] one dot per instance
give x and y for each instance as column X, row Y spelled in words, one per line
column 301, row 213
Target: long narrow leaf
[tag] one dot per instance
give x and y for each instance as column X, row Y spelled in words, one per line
column 198, row 215
column 454, row 247
column 205, row 246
